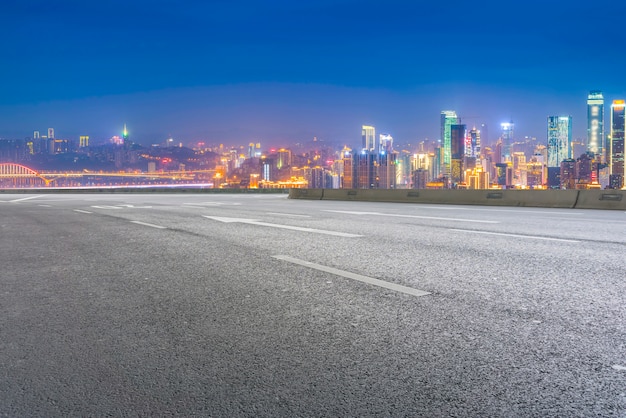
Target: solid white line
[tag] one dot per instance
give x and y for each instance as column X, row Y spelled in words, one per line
column 105, row 207
column 515, row 235
column 293, row 215
column 81, row 211
column 26, row 198
column 316, row 231
column 293, row 228
column 528, row 211
column 150, row 225
column 353, row 276
column 44, row 206
column 391, row 215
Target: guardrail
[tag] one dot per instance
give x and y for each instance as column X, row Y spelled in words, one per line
column 580, row 199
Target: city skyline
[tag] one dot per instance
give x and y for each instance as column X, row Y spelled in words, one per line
column 282, row 72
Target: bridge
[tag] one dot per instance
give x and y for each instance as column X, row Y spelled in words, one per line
column 21, row 175
column 18, row 175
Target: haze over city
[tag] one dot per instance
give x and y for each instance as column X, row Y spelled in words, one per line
column 280, row 72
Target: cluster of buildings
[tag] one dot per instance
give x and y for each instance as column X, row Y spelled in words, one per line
column 460, row 160
column 462, row 157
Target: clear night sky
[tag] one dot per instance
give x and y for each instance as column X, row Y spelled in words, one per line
column 283, row 71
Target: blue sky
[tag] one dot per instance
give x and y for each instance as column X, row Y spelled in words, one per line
column 284, row 71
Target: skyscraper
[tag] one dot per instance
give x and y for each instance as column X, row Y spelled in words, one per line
column 474, row 143
column 368, row 135
column 385, row 143
column 448, row 118
column 616, row 146
column 595, row 122
column 507, row 140
column 457, row 152
column 50, row 133
column 559, row 139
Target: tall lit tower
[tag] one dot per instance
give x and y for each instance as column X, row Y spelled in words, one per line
column 125, row 134
column 368, row 135
column 507, row 140
column 595, row 122
column 474, row 143
column 616, row 145
column 50, row 133
column 448, row 118
column 458, row 134
column 559, row 139
column 385, row 143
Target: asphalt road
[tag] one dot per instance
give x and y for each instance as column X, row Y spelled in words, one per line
column 257, row 305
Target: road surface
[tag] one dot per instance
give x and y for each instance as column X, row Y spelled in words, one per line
column 257, row 305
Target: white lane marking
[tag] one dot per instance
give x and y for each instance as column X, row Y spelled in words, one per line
column 354, row 276
column 26, row 198
column 514, row 235
column 147, row 224
column 45, row 206
column 106, row 207
column 81, row 211
column 293, row 228
column 292, row 215
column 186, row 205
column 213, row 204
column 135, row 207
column 530, row 210
column 391, row 215
column 618, row 367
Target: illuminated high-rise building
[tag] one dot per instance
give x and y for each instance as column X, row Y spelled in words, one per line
column 595, row 122
column 473, row 146
column 507, row 140
column 125, row 134
column 457, row 152
column 368, row 136
column 36, row 135
column 448, row 118
column 568, row 173
column 50, row 133
column 83, row 141
column 348, row 169
column 284, row 158
column 364, row 169
column 385, row 143
column 559, row 139
column 616, row 145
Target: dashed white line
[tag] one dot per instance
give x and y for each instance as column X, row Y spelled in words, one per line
column 44, row 206
column 147, row 224
column 293, row 228
column 515, row 235
column 353, row 276
column 26, row 198
column 81, row 211
column 291, row 215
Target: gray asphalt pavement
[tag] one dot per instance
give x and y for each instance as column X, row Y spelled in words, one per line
column 257, row 305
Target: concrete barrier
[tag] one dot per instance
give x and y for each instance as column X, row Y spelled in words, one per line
column 530, row 198
column 602, row 199
column 309, row 194
column 143, row 190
